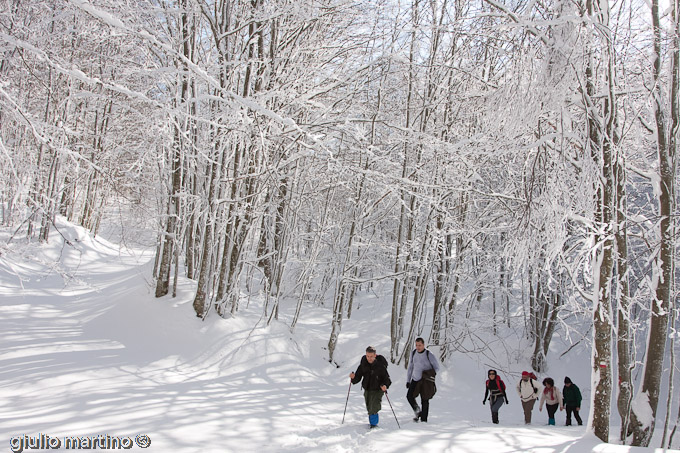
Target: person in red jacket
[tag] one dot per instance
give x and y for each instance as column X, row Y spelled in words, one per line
column 495, row 392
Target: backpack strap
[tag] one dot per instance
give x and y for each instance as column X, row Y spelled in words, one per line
column 428, row 358
column 413, row 353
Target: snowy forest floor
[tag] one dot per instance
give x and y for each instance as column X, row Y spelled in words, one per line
column 88, row 350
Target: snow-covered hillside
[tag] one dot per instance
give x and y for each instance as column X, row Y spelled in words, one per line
column 88, row 351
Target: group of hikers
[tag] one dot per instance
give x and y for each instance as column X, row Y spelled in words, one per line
column 529, row 391
column 420, row 381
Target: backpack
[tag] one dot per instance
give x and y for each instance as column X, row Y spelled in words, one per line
column 531, row 382
column 381, row 360
column 499, row 383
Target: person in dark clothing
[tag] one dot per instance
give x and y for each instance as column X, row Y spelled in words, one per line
column 495, row 392
column 372, row 372
column 571, row 395
column 422, row 369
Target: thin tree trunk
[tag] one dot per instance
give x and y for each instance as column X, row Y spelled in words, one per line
column 400, row 266
column 314, row 250
column 199, row 304
column 344, row 293
column 174, row 208
column 624, row 341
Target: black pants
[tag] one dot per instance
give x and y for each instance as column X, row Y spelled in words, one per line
column 577, row 416
column 552, row 408
column 425, row 404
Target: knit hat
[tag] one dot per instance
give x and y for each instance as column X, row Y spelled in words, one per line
column 525, row 373
column 567, row 380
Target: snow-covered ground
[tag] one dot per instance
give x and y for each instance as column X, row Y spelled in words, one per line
column 88, row 351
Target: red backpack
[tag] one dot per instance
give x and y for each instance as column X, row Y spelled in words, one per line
column 499, row 383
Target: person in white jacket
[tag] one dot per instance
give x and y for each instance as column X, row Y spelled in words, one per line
column 529, row 391
column 552, row 397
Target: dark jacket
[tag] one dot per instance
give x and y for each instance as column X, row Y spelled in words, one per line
column 495, row 389
column 426, row 387
column 373, row 374
column 571, row 395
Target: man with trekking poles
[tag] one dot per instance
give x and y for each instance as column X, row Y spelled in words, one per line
column 372, row 372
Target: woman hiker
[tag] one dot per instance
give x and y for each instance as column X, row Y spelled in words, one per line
column 495, row 392
column 552, row 397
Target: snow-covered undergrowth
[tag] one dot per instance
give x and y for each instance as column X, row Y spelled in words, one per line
column 88, row 351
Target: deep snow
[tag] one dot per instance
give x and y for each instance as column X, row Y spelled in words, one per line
column 87, row 350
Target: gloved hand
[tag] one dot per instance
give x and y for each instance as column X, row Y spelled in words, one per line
column 407, row 384
column 484, row 401
column 506, row 401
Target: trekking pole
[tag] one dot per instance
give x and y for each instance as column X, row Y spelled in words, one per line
column 343, row 413
column 390, row 403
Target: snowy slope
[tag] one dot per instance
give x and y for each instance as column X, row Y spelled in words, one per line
column 87, row 351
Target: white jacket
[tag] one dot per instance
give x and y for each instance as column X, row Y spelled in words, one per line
column 557, row 398
column 525, row 390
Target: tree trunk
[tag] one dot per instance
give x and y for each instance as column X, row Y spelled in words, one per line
column 345, row 291
column 623, row 343
column 400, row 263
column 663, row 275
column 200, row 299
column 170, row 238
column 601, row 142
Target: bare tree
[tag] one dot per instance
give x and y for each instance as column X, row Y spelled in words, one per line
column 667, row 121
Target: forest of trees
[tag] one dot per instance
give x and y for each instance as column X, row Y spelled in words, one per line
column 494, row 163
